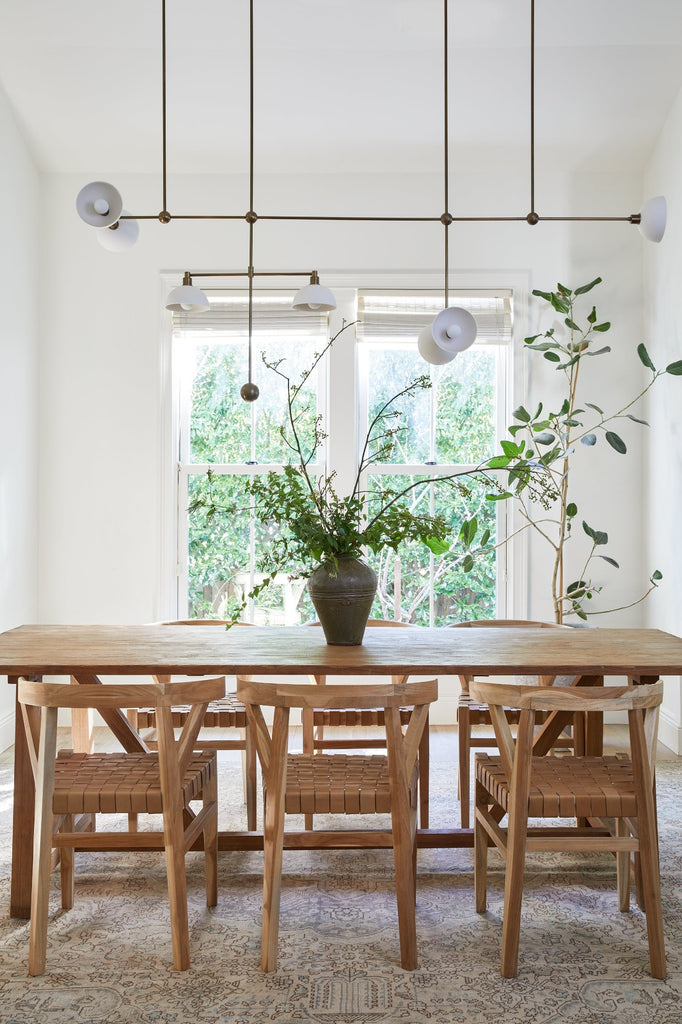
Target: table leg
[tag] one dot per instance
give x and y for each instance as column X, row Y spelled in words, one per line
column 24, row 810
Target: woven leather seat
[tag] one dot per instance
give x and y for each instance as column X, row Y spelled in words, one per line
column 122, row 783
column 611, row 799
column 339, row 784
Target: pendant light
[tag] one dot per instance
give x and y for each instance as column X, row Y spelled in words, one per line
column 186, row 298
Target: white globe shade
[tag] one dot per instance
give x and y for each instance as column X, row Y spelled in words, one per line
column 431, row 352
column 99, row 204
column 653, row 219
column 186, row 299
column 121, row 237
column 314, row 296
column 454, row 329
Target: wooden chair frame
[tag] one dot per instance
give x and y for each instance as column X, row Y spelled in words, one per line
column 402, row 756
column 469, row 715
column 313, row 721
column 226, row 708
column 176, row 765
column 523, row 789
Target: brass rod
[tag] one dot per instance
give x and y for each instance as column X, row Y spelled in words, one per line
column 250, row 219
column 446, row 168
column 532, row 106
column 422, row 220
column 163, row 101
column 256, row 273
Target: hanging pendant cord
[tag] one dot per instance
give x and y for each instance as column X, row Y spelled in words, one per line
column 532, row 106
column 251, row 215
column 164, row 216
column 446, row 219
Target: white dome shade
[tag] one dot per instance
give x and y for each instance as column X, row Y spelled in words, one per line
column 454, row 329
column 314, row 296
column 99, row 204
column 653, row 219
column 121, row 237
column 186, row 299
column 431, row 352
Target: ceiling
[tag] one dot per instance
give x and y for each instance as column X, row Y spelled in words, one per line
column 340, row 85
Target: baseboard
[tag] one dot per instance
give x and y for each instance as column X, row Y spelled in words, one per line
column 670, row 732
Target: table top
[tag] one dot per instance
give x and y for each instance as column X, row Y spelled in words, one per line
column 268, row 650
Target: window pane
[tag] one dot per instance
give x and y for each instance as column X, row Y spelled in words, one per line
column 416, row 587
column 221, row 422
column 454, row 420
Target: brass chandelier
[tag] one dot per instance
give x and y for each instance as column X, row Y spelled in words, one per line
column 100, row 205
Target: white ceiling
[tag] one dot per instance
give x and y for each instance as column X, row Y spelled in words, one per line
column 340, row 85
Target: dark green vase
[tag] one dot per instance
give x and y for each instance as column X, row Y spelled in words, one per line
column 343, row 599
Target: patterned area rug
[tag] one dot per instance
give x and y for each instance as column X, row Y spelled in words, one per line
column 581, row 962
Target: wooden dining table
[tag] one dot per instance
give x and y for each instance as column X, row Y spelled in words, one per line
column 91, row 653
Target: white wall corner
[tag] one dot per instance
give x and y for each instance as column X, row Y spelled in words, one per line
column 670, row 731
column 7, row 730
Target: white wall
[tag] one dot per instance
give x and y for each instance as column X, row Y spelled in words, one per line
column 19, row 395
column 662, row 481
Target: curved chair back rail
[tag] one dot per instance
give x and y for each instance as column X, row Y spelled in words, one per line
column 121, row 695
column 568, row 698
column 303, row 695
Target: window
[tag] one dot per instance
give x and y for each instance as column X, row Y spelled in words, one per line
column 453, row 425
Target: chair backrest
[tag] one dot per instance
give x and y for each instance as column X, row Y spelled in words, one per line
column 568, row 698
column 347, row 695
column 121, row 695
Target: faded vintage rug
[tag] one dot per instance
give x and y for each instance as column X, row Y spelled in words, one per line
column 582, row 962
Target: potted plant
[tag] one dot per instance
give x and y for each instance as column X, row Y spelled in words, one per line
column 322, row 535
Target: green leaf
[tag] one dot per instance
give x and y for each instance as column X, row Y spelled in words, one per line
column 645, row 357
column 545, row 438
column 616, row 442
column 588, row 530
column 599, row 351
column 511, row 449
column 580, row 613
column 538, row 411
column 635, row 420
column 547, row 296
column 436, row 545
column 552, row 357
column 571, row 324
column 499, row 497
column 575, row 586
column 675, row 368
column 596, row 408
column 484, row 539
column 589, row 440
column 521, row 414
column 563, row 289
column 498, row 462
column 533, row 337
column 467, row 564
column 560, row 304
column 611, row 561
column 584, row 288
column 606, row 326
column 592, row 318
column 657, row 575
column 600, row 537
column 571, row 509
column 571, row 362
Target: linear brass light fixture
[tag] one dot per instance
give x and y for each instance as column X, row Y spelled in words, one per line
column 100, row 205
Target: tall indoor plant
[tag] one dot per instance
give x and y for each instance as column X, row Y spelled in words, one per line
column 540, row 452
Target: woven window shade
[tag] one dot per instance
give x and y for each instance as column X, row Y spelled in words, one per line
column 388, row 317
column 229, row 315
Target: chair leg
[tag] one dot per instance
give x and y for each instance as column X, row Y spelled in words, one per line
column 42, row 841
column 273, row 838
column 66, row 865
column 516, row 846
column 250, row 779
column 308, row 730
column 210, row 833
column 424, row 756
column 464, row 782
column 623, row 870
column 174, row 843
column 480, row 852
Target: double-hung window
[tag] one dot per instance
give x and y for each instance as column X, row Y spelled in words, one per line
column 448, row 427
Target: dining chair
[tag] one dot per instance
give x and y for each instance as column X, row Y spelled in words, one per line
column 226, row 713
column 340, row 784
column 314, row 721
column 593, row 789
column 74, row 787
column 471, row 713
